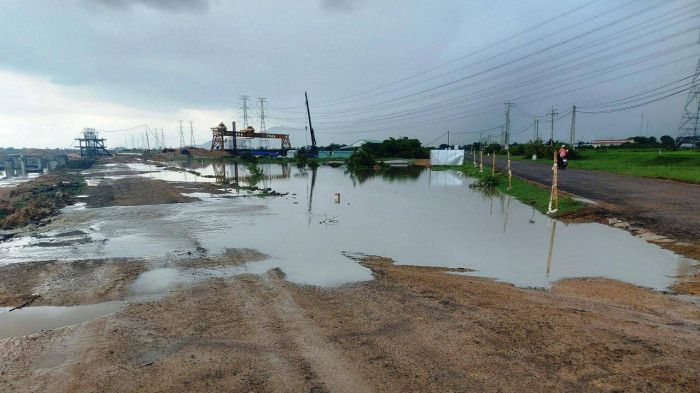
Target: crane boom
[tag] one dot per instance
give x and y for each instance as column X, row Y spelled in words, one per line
column 314, row 149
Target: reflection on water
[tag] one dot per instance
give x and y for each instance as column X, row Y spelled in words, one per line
column 389, row 174
column 30, row 320
column 552, row 233
column 415, row 216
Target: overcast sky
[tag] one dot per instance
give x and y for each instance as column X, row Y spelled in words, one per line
column 373, row 68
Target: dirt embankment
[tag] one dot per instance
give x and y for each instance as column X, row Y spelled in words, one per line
column 410, row 329
column 37, row 199
column 135, row 191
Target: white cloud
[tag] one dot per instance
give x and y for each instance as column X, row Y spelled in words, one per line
column 37, row 113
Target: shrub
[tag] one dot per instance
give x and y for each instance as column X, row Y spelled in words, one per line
column 361, row 158
column 399, row 148
column 487, row 181
column 301, row 157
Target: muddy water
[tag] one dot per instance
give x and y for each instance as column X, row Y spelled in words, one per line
column 412, row 215
column 31, row 320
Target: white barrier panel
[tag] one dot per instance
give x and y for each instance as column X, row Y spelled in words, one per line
column 446, row 157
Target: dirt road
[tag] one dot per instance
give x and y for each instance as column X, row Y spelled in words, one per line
column 410, row 329
column 661, row 206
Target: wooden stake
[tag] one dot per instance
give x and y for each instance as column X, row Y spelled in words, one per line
column 554, row 196
column 510, row 174
column 493, row 164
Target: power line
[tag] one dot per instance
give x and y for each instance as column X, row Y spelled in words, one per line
column 653, row 22
column 489, row 47
column 614, row 67
column 542, row 50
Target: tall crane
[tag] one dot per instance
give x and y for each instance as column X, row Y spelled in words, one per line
column 314, row 149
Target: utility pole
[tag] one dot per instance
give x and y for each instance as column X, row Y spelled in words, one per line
column 243, row 100
column 162, row 138
column 262, row 113
column 182, row 136
column 537, row 129
column 148, row 142
column 506, row 136
column 573, row 126
column 191, row 134
column 552, row 113
column 448, row 139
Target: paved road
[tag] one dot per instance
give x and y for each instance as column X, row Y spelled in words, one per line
column 665, row 207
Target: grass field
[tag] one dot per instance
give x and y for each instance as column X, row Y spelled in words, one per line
column 523, row 190
column 682, row 165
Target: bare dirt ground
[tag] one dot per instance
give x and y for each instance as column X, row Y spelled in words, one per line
column 410, row 329
column 135, row 191
column 67, row 283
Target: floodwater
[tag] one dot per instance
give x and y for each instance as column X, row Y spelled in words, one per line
column 412, row 215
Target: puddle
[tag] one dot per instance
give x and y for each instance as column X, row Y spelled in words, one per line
column 411, row 214
column 30, row 320
column 157, row 281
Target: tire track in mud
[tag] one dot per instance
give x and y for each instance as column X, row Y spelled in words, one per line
column 299, row 355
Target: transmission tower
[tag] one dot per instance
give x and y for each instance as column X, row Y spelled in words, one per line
column 243, row 101
column 262, row 100
column 182, row 136
column 691, row 112
column 191, row 134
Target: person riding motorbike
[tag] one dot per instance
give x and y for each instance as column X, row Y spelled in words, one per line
column 562, row 157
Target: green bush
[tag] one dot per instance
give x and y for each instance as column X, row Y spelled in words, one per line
column 398, row 148
column 301, row 157
column 487, row 181
column 256, row 173
column 361, row 158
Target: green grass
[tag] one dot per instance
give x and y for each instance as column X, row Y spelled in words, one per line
column 529, row 193
column 682, row 165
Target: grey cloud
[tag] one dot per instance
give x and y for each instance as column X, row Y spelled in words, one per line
column 163, row 5
column 339, row 5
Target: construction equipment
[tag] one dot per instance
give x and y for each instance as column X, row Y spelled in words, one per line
column 220, row 132
column 91, row 145
column 314, row 149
